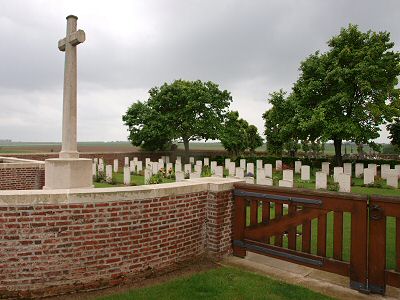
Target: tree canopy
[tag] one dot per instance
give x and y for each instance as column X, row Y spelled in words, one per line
column 237, row 135
column 345, row 93
column 394, row 130
column 181, row 111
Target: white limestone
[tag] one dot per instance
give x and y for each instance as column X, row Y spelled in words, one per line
column 336, row 172
column 135, row 159
column 268, row 170
column 126, row 161
column 321, row 180
column 94, row 169
column 199, row 163
column 297, row 167
column 139, row 166
column 154, row 167
column 115, row 166
column 197, row 168
column 359, row 170
column 109, row 171
column 265, row 181
column 239, row 172
column 288, row 175
column 231, row 168
column 178, row 160
column 286, row 183
column 127, row 176
column 249, row 179
column 167, row 160
column 347, row 169
column 392, row 178
column 213, row 166
column 325, row 167
column 278, row 165
column 191, row 160
column 305, row 173
column 147, row 161
column 161, row 164
column 344, row 181
column 369, row 176
column 194, row 175
column 132, row 167
column 250, row 168
column 373, row 167
column 178, row 167
column 259, row 164
column 227, row 162
column 96, row 160
column 100, row 167
column 260, row 175
column 242, row 164
column 206, row 161
column 179, row 176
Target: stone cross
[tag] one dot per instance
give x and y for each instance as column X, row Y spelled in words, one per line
column 68, row 45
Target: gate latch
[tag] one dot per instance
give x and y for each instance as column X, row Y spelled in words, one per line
column 375, row 212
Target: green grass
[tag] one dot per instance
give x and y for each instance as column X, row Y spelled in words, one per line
column 119, row 178
column 222, row 283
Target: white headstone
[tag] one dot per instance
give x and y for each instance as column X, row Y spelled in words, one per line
column 305, row 173
column 179, row 176
column 170, row 167
column 321, row 180
column 126, row 161
column 199, row 163
column 286, row 183
column 147, row 175
column 325, row 167
column 260, row 175
column 179, row 159
column 191, row 160
column 132, row 166
column 115, row 166
column 109, row 171
column 139, row 166
column 239, row 172
column 278, row 165
column 344, row 181
column 147, row 161
column 373, row 167
column 96, row 160
column 268, row 170
column 160, row 164
column 336, row 172
column 94, row 169
column 243, row 164
column 392, row 178
column 369, row 176
column 194, row 175
column 297, row 166
column 213, row 166
column 347, row 169
column 127, row 175
column 227, row 162
column 101, row 166
column 187, row 168
column 397, row 168
column 231, row 168
column 250, row 168
column 359, row 170
column 178, row 167
column 154, row 167
column 265, row 181
column 385, row 170
column 219, row 171
column 167, row 160
column 259, row 164
column 197, row 168
column 288, row 175
column 206, row 161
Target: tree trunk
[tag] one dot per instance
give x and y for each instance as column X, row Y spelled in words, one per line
column 186, row 145
column 338, row 152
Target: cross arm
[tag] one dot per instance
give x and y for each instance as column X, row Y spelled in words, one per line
column 74, row 39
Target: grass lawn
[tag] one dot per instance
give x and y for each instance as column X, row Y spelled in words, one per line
column 221, row 283
column 119, row 178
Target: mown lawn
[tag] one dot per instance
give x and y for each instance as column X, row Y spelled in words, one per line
column 222, row 283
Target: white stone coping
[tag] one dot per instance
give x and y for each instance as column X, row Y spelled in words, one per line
column 12, row 163
column 92, row 195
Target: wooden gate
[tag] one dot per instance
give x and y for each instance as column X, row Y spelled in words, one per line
column 322, row 230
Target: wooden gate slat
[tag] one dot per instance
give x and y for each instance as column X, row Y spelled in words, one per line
column 337, row 235
column 292, row 230
column 266, row 215
column 321, row 236
column 239, row 225
column 398, row 244
column 306, row 237
column 253, row 212
column 278, row 214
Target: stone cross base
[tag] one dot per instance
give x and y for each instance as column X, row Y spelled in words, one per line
column 68, row 173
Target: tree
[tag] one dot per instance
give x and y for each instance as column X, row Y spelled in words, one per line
column 349, row 91
column 181, row 111
column 394, row 130
column 254, row 140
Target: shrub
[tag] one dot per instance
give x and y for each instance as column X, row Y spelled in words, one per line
column 333, row 186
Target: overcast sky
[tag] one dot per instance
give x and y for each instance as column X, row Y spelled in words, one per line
column 250, row 48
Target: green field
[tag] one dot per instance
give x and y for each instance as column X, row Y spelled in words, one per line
column 223, row 283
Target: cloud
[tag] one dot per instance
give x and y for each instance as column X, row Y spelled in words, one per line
column 250, row 48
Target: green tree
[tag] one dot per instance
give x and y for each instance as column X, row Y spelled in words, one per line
column 254, row 140
column 233, row 135
column 394, row 130
column 349, row 91
column 181, row 111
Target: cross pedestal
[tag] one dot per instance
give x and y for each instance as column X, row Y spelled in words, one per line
column 69, row 171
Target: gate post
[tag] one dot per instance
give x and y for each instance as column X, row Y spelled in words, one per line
column 239, row 226
column 359, row 244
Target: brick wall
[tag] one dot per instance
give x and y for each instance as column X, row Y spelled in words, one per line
column 24, row 178
column 61, row 247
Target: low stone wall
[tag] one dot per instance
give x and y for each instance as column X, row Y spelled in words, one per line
column 61, row 241
column 21, row 174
